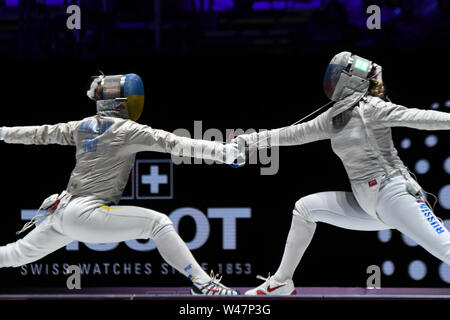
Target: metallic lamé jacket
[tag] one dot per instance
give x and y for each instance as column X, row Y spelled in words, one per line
column 106, row 148
column 361, row 137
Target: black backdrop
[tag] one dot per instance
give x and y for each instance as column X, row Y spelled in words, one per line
column 223, row 92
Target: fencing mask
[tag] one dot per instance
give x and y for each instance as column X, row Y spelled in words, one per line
column 118, row 95
column 347, row 80
column 349, row 75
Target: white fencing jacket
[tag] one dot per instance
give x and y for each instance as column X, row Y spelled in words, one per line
column 106, row 148
column 362, row 139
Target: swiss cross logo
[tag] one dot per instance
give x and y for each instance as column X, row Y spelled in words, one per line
column 154, row 179
column 150, row 179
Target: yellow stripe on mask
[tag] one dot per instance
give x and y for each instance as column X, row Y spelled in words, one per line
column 134, row 106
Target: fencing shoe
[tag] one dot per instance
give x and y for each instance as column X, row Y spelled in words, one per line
column 270, row 287
column 212, row 288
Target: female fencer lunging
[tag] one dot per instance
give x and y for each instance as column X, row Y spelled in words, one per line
column 106, row 146
column 384, row 195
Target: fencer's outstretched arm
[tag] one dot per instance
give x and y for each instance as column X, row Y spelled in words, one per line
column 145, row 138
column 302, row 133
column 387, row 114
column 138, row 138
column 62, row 133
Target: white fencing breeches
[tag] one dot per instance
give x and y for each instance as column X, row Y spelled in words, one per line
column 396, row 209
column 84, row 219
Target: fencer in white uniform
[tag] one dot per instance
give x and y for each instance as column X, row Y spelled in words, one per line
column 106, row 146
column 384, row 194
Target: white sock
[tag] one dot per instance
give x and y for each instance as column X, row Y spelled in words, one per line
column 176, row 253
column 298, row 240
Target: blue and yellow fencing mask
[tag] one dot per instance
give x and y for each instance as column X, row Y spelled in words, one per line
column 118, row 95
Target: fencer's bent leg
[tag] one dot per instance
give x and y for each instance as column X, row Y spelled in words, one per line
column 87, row 220
column 337, row 208
column 340, row 209
column 412, row 217
column 46, row 238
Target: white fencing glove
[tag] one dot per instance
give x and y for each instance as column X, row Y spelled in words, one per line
column 243, row 151
column 230, row 153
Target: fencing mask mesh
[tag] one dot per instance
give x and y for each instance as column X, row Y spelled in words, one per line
column 346, row 75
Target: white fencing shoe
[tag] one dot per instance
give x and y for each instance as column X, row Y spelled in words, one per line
column 270, row 287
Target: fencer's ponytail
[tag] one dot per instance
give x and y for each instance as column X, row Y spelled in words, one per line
column 377, row 89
